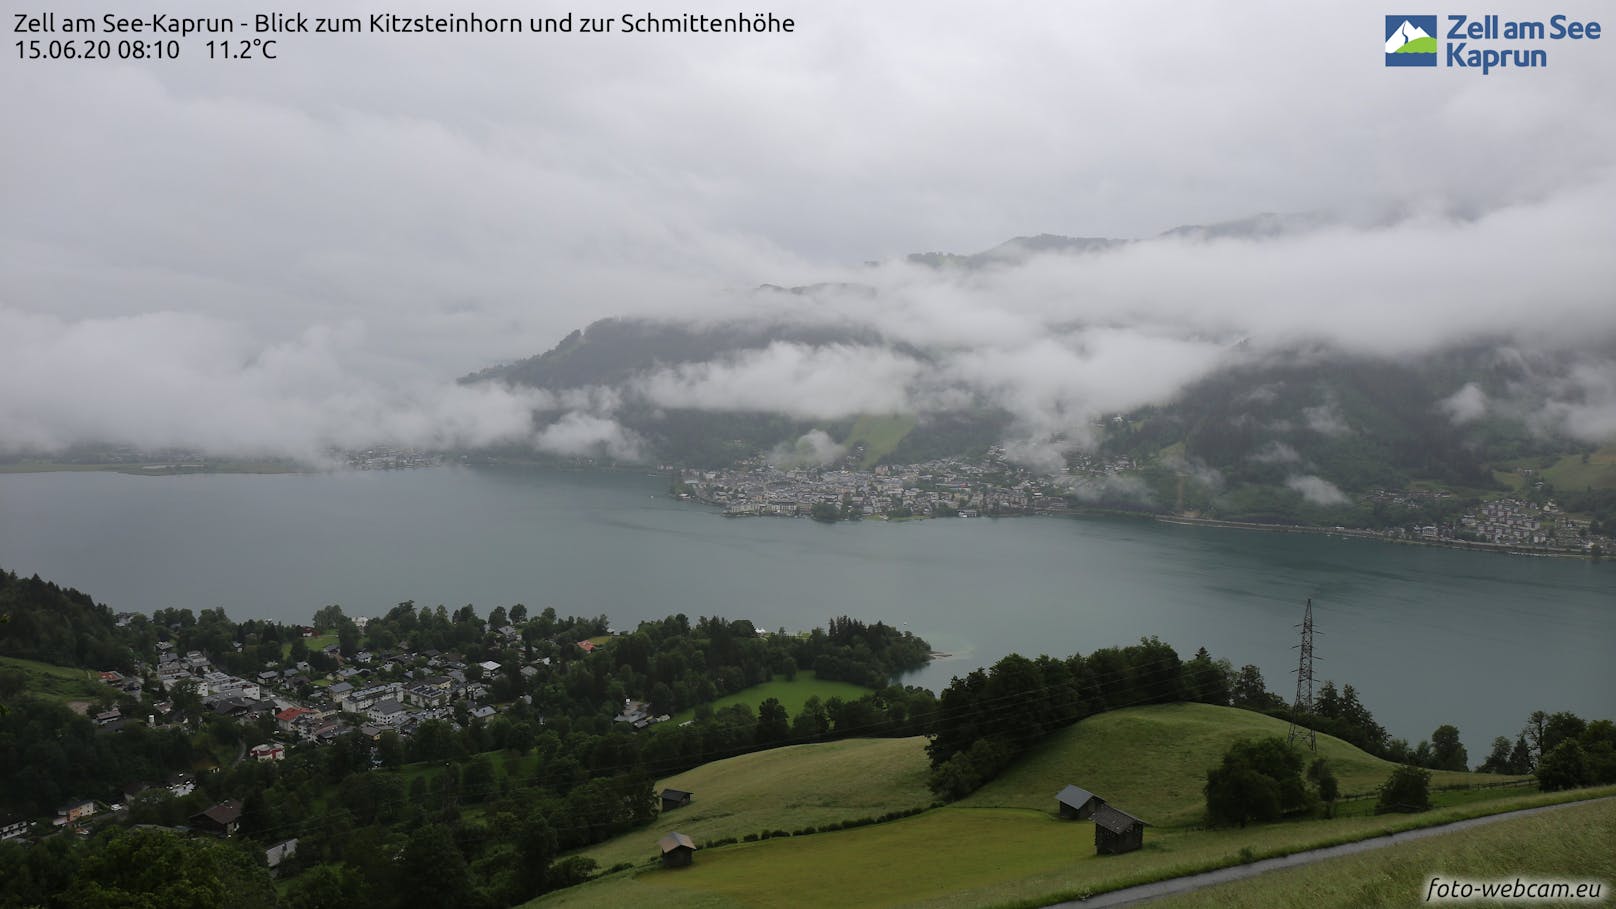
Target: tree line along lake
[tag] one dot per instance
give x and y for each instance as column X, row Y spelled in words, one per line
column 1427, row 635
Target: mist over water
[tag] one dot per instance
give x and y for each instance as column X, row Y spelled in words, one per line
column 1428, row 636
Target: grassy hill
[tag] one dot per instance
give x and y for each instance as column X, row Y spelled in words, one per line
column 785, row 788
column 1152, row 761
column 57, row 683
column 1003, row 845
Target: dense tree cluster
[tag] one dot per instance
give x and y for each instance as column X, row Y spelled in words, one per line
column 1563, row 749
column 49, row 754
column 59, row 625
column 868, row 655
column 136, row 868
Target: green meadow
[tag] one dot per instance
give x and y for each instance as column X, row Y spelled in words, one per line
column 791, row 694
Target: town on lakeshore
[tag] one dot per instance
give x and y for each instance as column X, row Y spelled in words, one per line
column 995, row 487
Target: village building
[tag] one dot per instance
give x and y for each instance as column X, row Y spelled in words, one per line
column 222, row 819
column 280, row 852
column 73, row 811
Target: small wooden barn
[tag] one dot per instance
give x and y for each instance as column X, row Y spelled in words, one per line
column 1116, row 832
column 675, row 798
column 677, row 850
column 1077, row 804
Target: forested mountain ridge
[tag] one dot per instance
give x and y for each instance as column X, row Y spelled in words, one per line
column 1357, row 421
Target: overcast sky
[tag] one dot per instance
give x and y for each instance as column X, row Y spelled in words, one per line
column 279, row 255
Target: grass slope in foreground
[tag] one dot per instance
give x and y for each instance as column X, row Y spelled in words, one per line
column 1152, row 761
column 784, row 789
column 1571, row 844
column 1004, row 846
column 975, row 857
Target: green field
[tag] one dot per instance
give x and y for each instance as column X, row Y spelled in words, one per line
column 879, row 435
column 316, row 644
column 1573, row 844
column 1567, row 473
column 1003, row 845
column 791, row 694
column 58, row 683
column 1170, row 748
column 785, row 788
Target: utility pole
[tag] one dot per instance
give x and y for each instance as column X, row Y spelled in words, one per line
column 1304, row 684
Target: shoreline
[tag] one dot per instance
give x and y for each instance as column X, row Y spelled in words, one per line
column 1372, row 536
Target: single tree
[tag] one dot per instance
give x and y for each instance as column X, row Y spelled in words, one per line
column 1324, row 780
column 1498, row 759
column 1447, row 752
column 1408, row 789
column 773, row 725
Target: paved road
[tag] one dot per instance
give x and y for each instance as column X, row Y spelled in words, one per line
column 1132, row 896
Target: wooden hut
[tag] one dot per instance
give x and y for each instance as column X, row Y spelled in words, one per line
column 677, row 850
column 1077, row 804
column 1116, row 832
column 675, row 798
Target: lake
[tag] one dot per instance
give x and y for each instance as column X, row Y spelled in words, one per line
column 1427, row 635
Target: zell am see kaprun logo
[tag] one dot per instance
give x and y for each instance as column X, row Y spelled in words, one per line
column 1483, row 43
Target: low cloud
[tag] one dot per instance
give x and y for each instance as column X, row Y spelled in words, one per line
column 1276, row 452
column 175, row 380
column 1466, row 405
column 579, row 434
column 1317, row 490
column 1326, row 419
column 800, row 380
column 1583, row 405
column 813, row 449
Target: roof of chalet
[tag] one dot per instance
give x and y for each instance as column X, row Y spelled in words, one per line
column 224, row 814
column 674, row 841
column 1114, row 820
column 1075, row 796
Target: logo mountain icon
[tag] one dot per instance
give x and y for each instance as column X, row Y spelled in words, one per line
column 1411, row 41
column 1409, row 38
